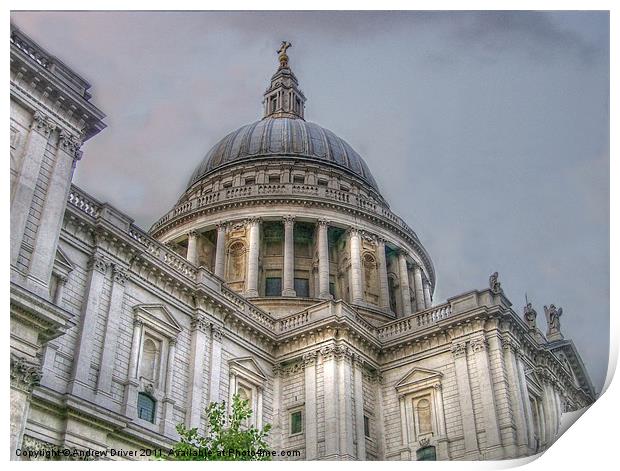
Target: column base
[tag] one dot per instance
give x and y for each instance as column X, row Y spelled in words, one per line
column 289, row 293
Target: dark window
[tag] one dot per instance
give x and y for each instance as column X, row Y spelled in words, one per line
column 302, row 287
column 274, row 178
column 273, row 104
column 250, row 181
column 146, row 407
column 296, row 424
column 332, row 289
column 273, row 286
column 227, row 185
column 426, row 454
column 298, row 179
column 322, row 182
column 366, row 426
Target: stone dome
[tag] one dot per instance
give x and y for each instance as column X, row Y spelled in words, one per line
column 283, row 137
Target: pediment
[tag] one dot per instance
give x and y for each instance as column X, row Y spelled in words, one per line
column 248, row 368
column 418, row 378
column 62, row 262
column 159, row 318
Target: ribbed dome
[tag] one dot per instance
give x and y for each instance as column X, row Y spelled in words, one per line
column 281, row 138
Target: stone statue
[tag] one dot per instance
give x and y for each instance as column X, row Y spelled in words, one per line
column 282, row 53
column 553, row 321
column 494, row 284
column 529, row 314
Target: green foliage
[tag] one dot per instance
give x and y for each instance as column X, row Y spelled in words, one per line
column 228, row 436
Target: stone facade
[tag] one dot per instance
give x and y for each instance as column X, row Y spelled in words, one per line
column 281, row 274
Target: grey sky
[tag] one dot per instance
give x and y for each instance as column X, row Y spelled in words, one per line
column 487, row 132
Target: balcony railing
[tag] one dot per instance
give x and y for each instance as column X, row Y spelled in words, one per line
column 276, row 189
column 392, row 330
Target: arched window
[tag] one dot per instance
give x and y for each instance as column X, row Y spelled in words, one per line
column 146, row 407
column 150, row 360
column 424, row 416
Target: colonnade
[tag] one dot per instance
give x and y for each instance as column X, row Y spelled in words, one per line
column 414, row 291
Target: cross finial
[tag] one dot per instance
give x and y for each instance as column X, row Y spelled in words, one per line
column 282, row 53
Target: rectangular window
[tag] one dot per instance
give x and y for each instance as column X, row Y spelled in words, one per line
column 273, row 286
column 299, row 179
column 250, row 180
column 332, row 289
column 146, row 407
column 274, row 179
column 366, row 426
column 322, row 182
column 296, row 422
column 226, row 184
column 302, row 287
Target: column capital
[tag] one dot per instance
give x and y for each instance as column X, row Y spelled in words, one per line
column 403, row 253
column 192, row 233
column 200, row 323
column 309, row 359
column 252, row 221
column 25, row 374
column 459, row 349
column 120, row 275
column 99, row 263
column 327, row 352
column 42, row 124
column 138, row 323
column 288, row 220
column 354, row 231
column 62, row 279
column 217, row 333
column 221, row 226
column 478, row 344
column 172, row 343
column 70, row 144
column 322, row 222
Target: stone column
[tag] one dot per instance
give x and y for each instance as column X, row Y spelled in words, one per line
column 549, row 421
column 428, row 302
column 26, row 179
column 359, row 407
column 112, row 330
column 404, row 283
column 168, row 422
column 130, row 407
column 253, row 252
column 419, row 290
column 323, row 260
column 491, row 427
column 442, row 439
column 459, row 351
column 288, row 285
column 384, row 293
column 345, row 418
column 309, row 361
column 357, row 295
column 78, row 385
column 60, row 289
column 514, row 386
column 525, row 398
column 330, row 405
column 215, row 364
column 192, row 247
column 198, row 346
column 220, row 250
column 53, row 212
column 25, row 375
column 277, row 415
column 380, row 422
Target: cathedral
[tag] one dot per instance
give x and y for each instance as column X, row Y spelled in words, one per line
column 281, row 274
